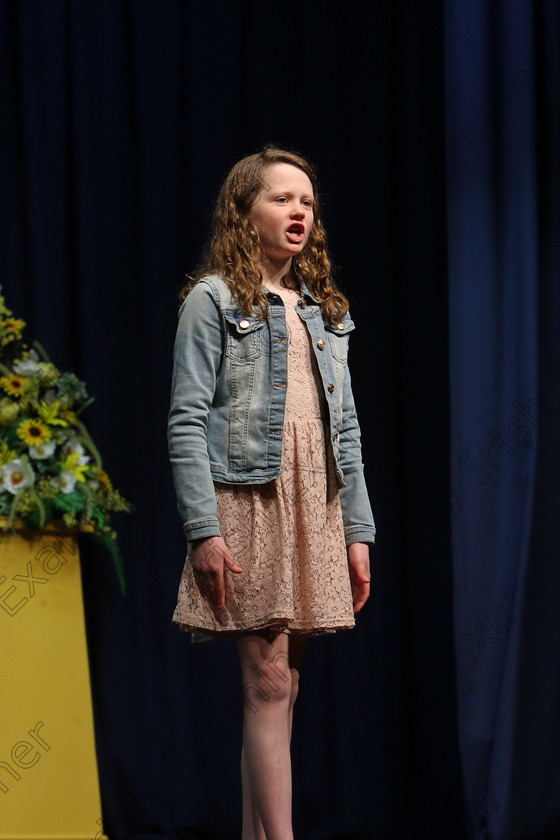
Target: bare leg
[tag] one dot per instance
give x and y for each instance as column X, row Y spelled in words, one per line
column 296, row 645
column 252, row 824
column 270, row 687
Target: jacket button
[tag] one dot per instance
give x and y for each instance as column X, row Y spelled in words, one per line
column 244, row 324
column 321, row 344
column 330, row 388
column 340, row 326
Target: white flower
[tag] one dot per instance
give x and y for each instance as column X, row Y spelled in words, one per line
column 73, row 445
column 30, row 366
column 43, row 450
column 66, row 481
column 16, row 475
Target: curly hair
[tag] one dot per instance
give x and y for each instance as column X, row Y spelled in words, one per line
column 235, row 252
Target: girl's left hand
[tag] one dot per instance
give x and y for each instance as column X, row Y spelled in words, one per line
column 358, row 566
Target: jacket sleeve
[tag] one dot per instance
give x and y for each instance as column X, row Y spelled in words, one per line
column 196, row 359
column 359, row 525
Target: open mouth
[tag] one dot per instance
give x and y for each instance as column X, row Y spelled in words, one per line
column 296, row 232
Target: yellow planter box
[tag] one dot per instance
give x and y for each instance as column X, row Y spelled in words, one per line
column 48, row 769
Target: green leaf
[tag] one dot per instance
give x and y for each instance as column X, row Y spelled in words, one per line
column 69, row 502
column 40, row 509
column 85, row 405
column 32, row 520
column 5, row 503
column 41, row 350
column 13, row 508
column 85, row 438
column 92, row 509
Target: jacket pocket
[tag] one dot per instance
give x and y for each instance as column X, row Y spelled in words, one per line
column 338, row 336
column 243, row 337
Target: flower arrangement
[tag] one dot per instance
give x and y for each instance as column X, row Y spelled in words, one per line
column 50, row 469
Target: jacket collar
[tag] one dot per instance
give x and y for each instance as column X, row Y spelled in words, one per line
column 304, row 290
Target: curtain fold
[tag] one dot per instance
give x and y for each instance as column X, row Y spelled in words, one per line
column 499, row 107
column 435, row 132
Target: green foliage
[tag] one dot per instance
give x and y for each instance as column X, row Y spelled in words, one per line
column 69, row 502
column 50, row 468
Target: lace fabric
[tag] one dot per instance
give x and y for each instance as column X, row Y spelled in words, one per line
column 287, row 535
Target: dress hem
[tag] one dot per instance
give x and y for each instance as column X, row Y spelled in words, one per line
column 275, row 626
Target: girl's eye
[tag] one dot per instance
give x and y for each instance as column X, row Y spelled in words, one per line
column 307, row 202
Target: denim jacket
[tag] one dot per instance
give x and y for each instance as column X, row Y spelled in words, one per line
column 227, row 404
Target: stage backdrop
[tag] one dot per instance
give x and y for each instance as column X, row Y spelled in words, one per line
column 434, row 129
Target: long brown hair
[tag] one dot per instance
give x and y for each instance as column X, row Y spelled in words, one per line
column 234, row 249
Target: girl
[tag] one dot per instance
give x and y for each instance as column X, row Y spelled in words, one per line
column 265, row 449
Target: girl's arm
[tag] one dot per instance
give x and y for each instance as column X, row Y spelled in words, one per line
column 359, row 525
column 196, row 360
column 360, row 575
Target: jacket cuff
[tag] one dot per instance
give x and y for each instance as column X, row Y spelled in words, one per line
column 359, row 533
column 202, row 528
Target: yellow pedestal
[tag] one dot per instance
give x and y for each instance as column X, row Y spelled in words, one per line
column 48, row 769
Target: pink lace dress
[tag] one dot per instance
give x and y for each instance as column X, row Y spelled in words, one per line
column 287, row 535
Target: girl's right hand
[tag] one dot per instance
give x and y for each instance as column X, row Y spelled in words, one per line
column 208, row 558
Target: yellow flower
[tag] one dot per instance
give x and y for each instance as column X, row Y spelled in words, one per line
column 3, row 308
column 33, row 432
column 66, row 414
column 49, row 413
column 49, row 374
column 47, row 488
column 72, row 466
column 102, row 477
column 9, row 411
column 14, row 385
column 6, row 454
column 13, row 326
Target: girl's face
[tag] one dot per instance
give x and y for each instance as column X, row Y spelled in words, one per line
column 283, row 211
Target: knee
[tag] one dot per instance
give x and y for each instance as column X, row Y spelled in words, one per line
column 294, row 685
column 263, row 688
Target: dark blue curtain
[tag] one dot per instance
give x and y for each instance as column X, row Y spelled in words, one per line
column 502, row 111
column 434, row 129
